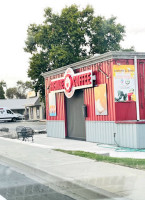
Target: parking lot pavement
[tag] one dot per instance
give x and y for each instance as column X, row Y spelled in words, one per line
column 12, row 125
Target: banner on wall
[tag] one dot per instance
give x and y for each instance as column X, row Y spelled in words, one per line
column 124, row 83
column 100, row 99
column 52, row 105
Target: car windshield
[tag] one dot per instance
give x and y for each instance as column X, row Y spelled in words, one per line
column 9, row 112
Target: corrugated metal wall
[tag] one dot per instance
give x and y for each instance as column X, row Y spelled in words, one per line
column 127, row 135
column 101, row 128
column 60, row 105
column 124, row 111
column 141, row 87
column 89, row 98
column 56, row 128
column 101, row 132
column 140, row 135
column 141, row 90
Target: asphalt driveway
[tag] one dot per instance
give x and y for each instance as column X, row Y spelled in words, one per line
column 36, row 125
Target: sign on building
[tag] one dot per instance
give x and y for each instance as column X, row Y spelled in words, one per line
column 124, row 83
column 71, row 82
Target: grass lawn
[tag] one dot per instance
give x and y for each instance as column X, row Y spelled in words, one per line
column 128, row 162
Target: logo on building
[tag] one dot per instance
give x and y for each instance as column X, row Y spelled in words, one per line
column 71, row 82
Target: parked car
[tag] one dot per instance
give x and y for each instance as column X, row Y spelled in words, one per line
column 7, row 115
column 20, row 116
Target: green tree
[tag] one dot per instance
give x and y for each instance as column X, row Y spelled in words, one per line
column 130, row 49
column 68, row 37
column 107, row 35
column 3, row 84
column 20, row 90
column 11, row 93
column 2, row 92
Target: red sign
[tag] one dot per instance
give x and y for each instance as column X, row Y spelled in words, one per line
column 70, row 82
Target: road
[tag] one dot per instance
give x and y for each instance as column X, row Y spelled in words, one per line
column 16, row 186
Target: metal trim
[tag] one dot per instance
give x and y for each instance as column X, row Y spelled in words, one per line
column 136, row 88
column 96, row 59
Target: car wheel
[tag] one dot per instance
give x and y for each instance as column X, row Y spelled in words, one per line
column 14, row 119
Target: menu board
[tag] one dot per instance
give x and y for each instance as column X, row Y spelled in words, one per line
column 124, row 83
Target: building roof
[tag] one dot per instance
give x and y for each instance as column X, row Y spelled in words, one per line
column 33, row 101
column 19, row 103
column 97, row 59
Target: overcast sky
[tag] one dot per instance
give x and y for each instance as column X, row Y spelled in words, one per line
column 17, row 15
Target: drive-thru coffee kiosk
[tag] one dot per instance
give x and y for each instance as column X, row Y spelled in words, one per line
column 98, row 100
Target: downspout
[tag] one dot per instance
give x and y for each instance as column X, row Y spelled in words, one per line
column 136, row 89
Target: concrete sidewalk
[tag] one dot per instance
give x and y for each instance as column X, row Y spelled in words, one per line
column 69, row 144
column 81, row 178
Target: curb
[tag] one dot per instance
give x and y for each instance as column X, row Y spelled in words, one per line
column 34, row 120
column 59, row 184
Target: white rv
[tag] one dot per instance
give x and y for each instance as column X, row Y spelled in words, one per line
column 7, row 115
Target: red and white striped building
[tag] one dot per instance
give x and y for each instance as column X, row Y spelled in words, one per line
column 97, row 97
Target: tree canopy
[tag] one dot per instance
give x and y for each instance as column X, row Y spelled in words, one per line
column 19, row 91
column 68, row 37
column 2, row 92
